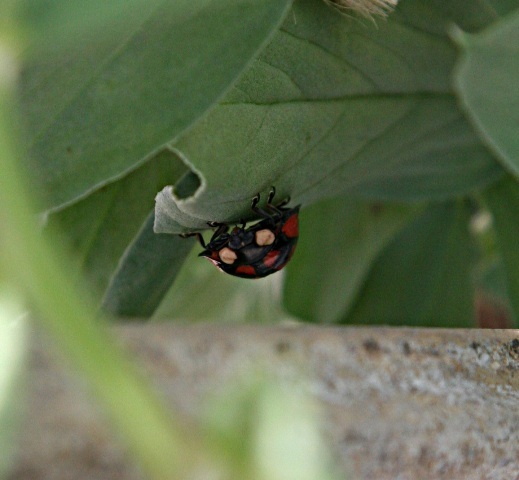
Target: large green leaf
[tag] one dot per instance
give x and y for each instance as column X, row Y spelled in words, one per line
column 332, row 106
column 339, row 240
column 486, row 80
column 503, row 201
column 145, row 272
column 423, row 277
column 100, row 227
column 53, row 26
column 97, row 111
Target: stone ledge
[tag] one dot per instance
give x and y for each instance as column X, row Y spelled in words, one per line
column 400, row 403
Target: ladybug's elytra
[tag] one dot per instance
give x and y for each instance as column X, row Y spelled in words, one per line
column 257, row 251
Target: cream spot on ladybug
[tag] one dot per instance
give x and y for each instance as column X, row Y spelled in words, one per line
column 227, row 255
column 264, row 237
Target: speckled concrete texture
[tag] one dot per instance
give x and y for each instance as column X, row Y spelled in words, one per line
column 399, row 403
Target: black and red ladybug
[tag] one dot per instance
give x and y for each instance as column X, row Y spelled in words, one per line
column 259, row 250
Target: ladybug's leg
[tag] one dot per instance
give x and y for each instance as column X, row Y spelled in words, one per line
column 258, row 210
column 255, row 201
column 221, row 228
column 272, row 193
column 286, row 201
column 198, row 235
column 277, row 209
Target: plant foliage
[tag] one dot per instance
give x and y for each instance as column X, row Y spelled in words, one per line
column 392, row 134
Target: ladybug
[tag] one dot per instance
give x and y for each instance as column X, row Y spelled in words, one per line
column 257, row 251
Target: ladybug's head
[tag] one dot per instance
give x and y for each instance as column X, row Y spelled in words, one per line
column 239, row 238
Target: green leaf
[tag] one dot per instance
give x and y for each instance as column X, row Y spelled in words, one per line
column 502, row 7
column 145, row 273
column 97, row 112
column 100, row 227
column 423, row 277
column 503, row 201
column 486, row 81
column 335, row 107
column 53, row 26
column 339, row 240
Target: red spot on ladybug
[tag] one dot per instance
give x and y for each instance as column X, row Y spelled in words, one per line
column 246, row 270
column 271, row 257
column 291, row 226
column 258, row 250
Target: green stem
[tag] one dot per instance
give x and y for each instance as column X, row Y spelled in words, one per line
column 164, row 449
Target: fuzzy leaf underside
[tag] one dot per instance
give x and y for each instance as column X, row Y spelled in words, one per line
column 360, row 110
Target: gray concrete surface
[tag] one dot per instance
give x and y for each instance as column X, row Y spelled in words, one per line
column 400, row 403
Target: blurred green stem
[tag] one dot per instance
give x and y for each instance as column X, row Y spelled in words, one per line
column 164, row 449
